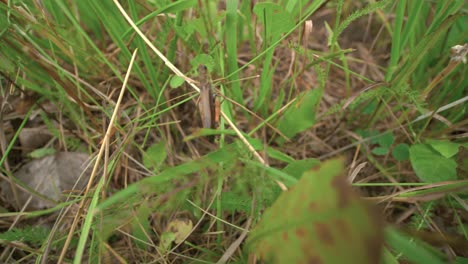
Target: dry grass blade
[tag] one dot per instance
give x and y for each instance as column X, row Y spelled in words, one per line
column 263, row 121
column 455, row 186
column 307, row 31
column 148, row 42
column 105, row 142
column 234, row 246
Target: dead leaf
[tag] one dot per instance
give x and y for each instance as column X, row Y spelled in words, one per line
column 176, row 231
column 49, row 176
column 181, row 228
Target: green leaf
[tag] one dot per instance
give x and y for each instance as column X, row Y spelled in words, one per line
column 141, row 226
column 236, row 201
column 176, row 81
column 317, row 218
column 34, row 235
column 367, row 134
column 278, row 155
column 401, row 152
column 445, row 148
column 155, row 155
column 203, row 59
column 166, row 241
column 198, row 24
column 194, row 25
column 386, row 140
column 275, row 18
column 380, row 151
column 461, row 260
column 256, row 143
column 298, row 167
column 370, row 108
column 430, row 166
column 301, row 115
column 42, row 152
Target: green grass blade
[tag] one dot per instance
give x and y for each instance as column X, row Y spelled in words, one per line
column 231, row 49
column 410, row 250
column 396, row 39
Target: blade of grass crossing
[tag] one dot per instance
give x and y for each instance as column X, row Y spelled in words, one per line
column 231, row 49
column 57, row 16
column 154, row 89
column 340, row 27
column 82, row 32
column 339, row 11
column 362, row 12
column 173, row 45
column 114, row 25
column 388, row 257
column 347, row 71
column 265, row 77
column 313, row 8
column 227, row 110
column 175, row 7
column 413, row 252
column 419, row 52
column 10, row 147
column 97, row 192
column 265, row 84
column 245, row 13
column 225, row 154
column 416, row 14
column 443, row 10
column 290, row 5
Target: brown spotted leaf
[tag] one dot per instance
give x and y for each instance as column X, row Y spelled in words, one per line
column 319, row 220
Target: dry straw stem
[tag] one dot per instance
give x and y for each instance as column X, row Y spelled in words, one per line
column 449, row 187
column 190, row 82
column 234, row 246
column 105, row 142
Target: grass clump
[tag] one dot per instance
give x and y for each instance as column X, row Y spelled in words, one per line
column 379, row 83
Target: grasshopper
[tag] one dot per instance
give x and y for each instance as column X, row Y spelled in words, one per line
column 207, row 105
